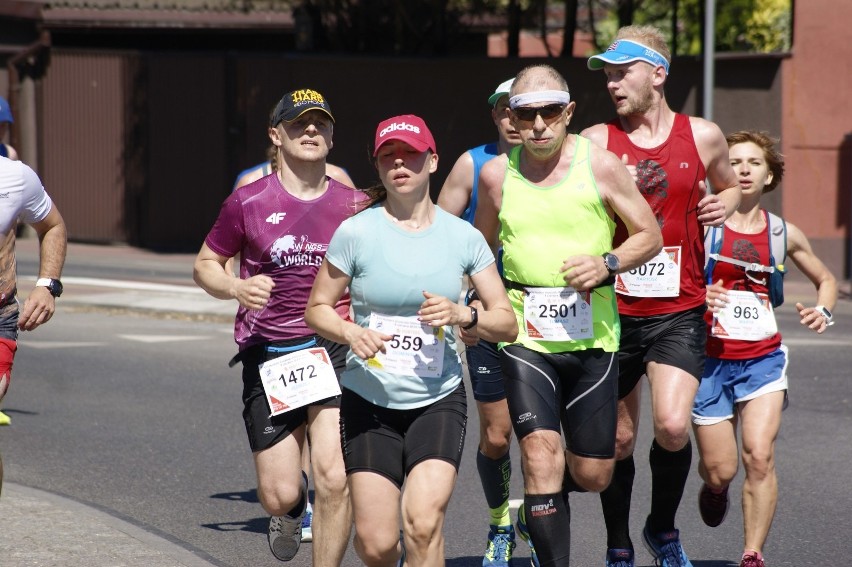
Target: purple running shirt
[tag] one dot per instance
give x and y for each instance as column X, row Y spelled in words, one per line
column 285, row 238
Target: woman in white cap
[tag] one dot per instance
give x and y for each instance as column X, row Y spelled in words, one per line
column 403, row 408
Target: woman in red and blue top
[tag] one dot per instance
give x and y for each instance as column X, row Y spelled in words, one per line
column 745, row 381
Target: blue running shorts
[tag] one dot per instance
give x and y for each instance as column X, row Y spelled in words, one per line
column 729, row 382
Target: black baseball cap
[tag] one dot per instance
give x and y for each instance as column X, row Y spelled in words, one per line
column 296, row 103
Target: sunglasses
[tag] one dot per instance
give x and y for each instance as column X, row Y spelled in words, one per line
column 528, row 113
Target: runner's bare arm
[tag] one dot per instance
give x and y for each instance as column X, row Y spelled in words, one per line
column 799, row 250
column 622, row 198
column 455, row 194
column 489, row 200
column 715, row 207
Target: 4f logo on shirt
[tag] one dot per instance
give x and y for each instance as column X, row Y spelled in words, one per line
column 275, row 218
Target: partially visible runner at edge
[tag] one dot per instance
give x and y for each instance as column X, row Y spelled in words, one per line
column 459, row 196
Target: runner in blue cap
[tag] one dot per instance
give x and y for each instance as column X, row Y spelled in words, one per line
column 661, row 303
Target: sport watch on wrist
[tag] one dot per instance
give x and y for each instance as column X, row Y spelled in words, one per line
column 611, row 263
column 52, row 285
column 474, row 319
column 829, row 318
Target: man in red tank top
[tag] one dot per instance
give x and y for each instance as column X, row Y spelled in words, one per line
column 662, row 302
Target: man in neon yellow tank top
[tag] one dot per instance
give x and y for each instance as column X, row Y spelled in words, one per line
column 552, row 203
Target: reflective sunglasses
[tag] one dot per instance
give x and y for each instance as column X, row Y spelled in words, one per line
column 528, row 113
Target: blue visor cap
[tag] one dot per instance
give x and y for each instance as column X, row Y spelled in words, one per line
column 626, row 51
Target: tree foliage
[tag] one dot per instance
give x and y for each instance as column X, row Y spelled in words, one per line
column 761, row 26
column 444, row 27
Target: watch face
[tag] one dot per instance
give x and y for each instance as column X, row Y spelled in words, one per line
column 55, row 288
column 611, row 261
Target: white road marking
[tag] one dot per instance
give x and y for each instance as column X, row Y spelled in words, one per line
column 57, row 344
column 121, row 284
column 816, row 341
column 163, row 338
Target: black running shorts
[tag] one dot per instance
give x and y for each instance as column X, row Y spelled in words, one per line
column 576, row 390
column 391, row 442
column 265, row 431
column 674, row 339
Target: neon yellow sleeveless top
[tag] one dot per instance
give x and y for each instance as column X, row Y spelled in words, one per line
column 542, row 226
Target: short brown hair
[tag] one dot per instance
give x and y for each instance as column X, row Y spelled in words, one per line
column 774, row 159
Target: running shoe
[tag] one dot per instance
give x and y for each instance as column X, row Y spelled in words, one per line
column 307, row 533
column 501, row 543
column 619, row 558
column 713, row 506
column 5, row 419
column 521, row 527
column 666, row 548
column 285, row 532
column 751, row 559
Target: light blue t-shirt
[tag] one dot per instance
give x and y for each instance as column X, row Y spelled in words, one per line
column 390, row 268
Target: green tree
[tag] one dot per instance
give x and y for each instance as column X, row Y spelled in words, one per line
column 761, row 26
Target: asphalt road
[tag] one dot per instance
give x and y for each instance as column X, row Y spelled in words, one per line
column 140, row 416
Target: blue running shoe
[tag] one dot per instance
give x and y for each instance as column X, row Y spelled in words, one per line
column 521, row 527
column 619, row 558
column 307, row 532
column 501, row 544
column 666, row 548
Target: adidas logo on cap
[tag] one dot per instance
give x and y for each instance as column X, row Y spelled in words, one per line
column 399, row 126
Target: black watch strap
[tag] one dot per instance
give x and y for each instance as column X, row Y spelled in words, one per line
column 474, row 318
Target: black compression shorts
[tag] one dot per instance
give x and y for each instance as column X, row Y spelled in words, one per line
column 486, row 376
column 576, row 390
column 391, row 442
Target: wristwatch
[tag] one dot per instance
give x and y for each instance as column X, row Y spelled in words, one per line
column 52, row 285
column 829, row 318
column 474, row 319
column 612, row 263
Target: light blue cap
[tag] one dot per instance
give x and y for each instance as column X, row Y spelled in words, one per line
column 625, row 51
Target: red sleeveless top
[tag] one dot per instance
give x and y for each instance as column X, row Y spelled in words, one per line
column 747, row 248
column 668, row 177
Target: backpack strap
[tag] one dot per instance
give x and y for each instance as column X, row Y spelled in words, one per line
column 712, row 245
column 777, row 229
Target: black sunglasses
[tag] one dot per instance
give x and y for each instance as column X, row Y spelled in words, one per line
column 528, row 113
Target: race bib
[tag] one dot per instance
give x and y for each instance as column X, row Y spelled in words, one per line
column 416, row 349
column 659, row 277
column 298, row 379
column 557, row 314
column 747, row 316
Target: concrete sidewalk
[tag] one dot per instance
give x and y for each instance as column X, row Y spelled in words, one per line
column 39, row 528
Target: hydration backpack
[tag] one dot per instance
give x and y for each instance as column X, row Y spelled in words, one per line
column 777, row 230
